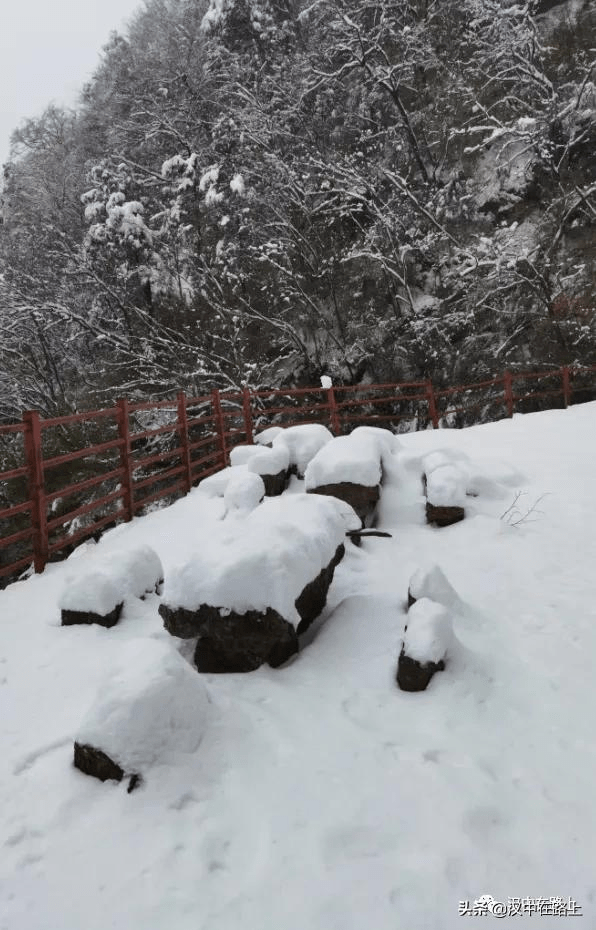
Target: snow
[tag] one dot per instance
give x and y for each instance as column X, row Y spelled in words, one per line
column 387, row 440
column 368, row 806
column 240, row 455
column 243, row 492
column 266, row 461
column 266, row 561
column 355, row 459
column 303, row 442
column 266, row 436
column 430, row 583
column 101, row 577
column 150, row 704
column 93, row 592
column 326, row 382
column 215, row 485
column 446, row 487
column 237, row 185
column 429, row 632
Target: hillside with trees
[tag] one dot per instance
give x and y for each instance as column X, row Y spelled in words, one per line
column 258, row 192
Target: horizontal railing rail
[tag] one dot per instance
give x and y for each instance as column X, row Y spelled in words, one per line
column 107, row 466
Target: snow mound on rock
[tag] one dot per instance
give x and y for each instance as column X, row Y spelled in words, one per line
column 244, row 492
column 446, row 486
column 267, row 560
column 240, row 455
column 303, row 442
column 151, row 704
column 92, row 592
column 429, row 634
column 268, row 461
column 429, row 582
column 355, row 459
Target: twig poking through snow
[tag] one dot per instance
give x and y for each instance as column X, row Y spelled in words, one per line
column 514, row 516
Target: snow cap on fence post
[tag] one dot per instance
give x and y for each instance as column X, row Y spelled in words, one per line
column 35, row 478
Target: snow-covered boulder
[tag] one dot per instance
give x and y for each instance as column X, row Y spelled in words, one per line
column 388, row 441
column 95, row 591
column 349, row 468
column 92, row 597
column 244, row 492
column 445, row 495
column 253, row 588
column 430, row 582
column 303, row 442
column 272, row 465
column 151, row 707
column 240, row 455
column 427, row 640
column 215, row 485
column 266, row 436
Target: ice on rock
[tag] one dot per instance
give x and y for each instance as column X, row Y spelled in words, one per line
column 429, row 634
column 244, row 492
column 303, row 442
column 151, row 704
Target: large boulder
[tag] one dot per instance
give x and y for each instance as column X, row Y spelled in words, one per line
column 248, row 593
column 350, row 469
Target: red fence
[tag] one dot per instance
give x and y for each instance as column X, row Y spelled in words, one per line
column 151, row 451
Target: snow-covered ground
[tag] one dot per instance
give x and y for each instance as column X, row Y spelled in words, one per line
column 321, row 797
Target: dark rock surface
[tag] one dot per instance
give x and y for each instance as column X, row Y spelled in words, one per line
column 275, row 484
column 362, row 498
column 313, row 597
column 72, row 617
column 94, row 762
column 443, row 516
column 413, row 675
column 243, row 642
column 235, row 642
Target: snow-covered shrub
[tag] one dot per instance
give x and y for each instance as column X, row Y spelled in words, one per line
column 151, row 706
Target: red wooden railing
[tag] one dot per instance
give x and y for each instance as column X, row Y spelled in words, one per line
column 128, row 474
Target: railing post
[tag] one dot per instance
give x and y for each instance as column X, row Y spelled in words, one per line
column 333, row 412
column 123, row 414
column 219, row 426
column 432, row 404
column 37, row 496
column 248, row 427
column 184, row 440
column 508, row 386
column 566, row 386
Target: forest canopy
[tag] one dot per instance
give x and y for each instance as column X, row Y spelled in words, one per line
column 260, row 192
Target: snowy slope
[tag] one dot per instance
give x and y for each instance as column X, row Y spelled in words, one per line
column 322, row 797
